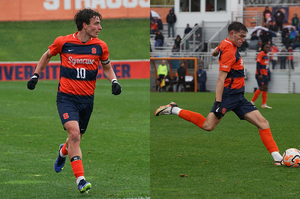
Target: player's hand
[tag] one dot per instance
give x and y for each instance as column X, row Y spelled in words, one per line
column 218, row 110
column 260, row 77
column 215, row 52
column 33, row 81
column 116, row 88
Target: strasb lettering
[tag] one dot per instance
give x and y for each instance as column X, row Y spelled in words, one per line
column 103, row 4
column 121, row 71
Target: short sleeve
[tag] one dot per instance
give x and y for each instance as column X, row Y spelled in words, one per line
column 105, row 52
column 226, row 60
column 55, row 48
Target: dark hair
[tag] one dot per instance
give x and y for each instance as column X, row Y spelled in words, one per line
column 85, row 15
column 263, row 45
column 237, row 26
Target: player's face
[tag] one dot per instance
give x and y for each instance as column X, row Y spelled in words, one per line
column 94, row 27
column 266, row 48
column 239, row 37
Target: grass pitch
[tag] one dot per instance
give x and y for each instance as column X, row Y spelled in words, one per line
column 228, row 162
column 115, row 147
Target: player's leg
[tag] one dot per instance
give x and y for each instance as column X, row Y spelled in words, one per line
column 265, row 96
column 263, row 126
column 257, row 92
column 208, row 123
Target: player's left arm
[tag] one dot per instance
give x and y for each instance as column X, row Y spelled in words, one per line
column 111, row 76
column 219, row 92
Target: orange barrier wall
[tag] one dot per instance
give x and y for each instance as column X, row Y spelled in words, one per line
column 132, row 69
column 29, row 10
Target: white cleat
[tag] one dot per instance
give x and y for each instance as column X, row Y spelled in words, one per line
column 266, row 106
column 165, row 110
column 252, row 103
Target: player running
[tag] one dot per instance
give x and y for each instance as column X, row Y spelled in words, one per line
column 229, row 93
column 261, row 75
column 80, row 54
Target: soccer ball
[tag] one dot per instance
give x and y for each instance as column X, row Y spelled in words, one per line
column 291, row 157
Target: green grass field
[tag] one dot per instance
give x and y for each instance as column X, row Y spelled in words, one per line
column 115, row 147
column 27, row 41
column 228, row 162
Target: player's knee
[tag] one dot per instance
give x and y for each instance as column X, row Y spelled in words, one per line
column 264, row 124
column 208, row 127
column 74, row 135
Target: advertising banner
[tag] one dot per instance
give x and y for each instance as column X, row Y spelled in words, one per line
column 13, row 71
column 31, row 10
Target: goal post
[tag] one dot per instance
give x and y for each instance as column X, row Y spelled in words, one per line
column 173, row 64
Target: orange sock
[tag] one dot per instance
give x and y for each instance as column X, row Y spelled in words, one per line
column 64, row 149
column 267, row 139
column 77, row 168
column 193, row 117
column 264, row 97
column 255, row 96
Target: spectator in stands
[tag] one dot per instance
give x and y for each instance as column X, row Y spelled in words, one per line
column 159, row 39
column 177, row 41
column 284, row 32
column 282, row 58
column 195, row 6
column 162, row 72
column 153, row 27
column 201, row 79
column 254, row 36
column 197, row 33
column 187, row 29
column 267, row 15
column 290, row 57
column 171, row 20
column 267, row 37
column 159, row 24
column 293, row 34
column 209, row 6
column 181, row 71
column 295, row 21
column 274, row 55
column 272, row 26
column 286, row 41
column 175, row 49
column 296, row 42
column 279, row 17
column 261, row 36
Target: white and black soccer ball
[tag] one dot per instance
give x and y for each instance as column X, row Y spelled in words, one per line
column 291, row 157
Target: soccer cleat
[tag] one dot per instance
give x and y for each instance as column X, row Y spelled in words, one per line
column 252, row 103
column 60, row 161
column 278, row 163
column 266, row 106
column 84, row 186
column 165, row 110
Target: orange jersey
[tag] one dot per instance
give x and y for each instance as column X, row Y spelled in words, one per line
column 231, row 62
column 79, row 65
column 262, row 62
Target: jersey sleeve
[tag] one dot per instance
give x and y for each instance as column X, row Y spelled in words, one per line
column 226, row 59
column 105, row 54
column 55, row 48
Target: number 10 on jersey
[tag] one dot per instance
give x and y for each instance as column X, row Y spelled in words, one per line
column 81, row 72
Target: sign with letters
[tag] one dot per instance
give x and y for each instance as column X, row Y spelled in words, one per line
column 131, row 69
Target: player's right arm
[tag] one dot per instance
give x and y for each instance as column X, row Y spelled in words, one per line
column 42, row 64
column 258, row 60
column 44, row 61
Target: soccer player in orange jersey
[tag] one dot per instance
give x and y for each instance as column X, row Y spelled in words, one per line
column 229, row 93
column 81, row 54
column 261, row 75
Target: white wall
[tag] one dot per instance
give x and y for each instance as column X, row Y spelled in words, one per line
column 197, row 17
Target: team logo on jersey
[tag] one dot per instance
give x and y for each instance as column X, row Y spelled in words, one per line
column 94, row 50
column 80, row 61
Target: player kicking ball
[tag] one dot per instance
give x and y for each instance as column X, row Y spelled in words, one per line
column 80, row 55
column 229, row 93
